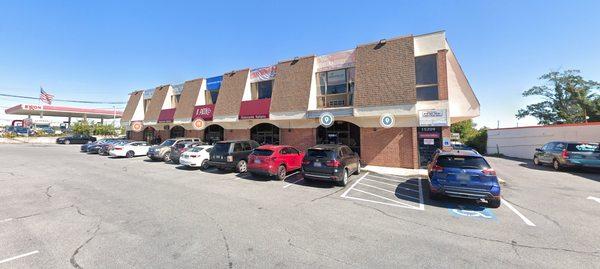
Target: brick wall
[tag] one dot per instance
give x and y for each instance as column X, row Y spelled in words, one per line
column 137, row 136
column 392, row 147
column 291, row 88
column 442, row 75
column 385, row 74
column 447, row 133
column 194, row 134
column 234, row 134
column 231, row 93
column 164, row 134
column 300, row 138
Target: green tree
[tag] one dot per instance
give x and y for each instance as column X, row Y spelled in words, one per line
column 470, row 136
column 82, row 127
column 566, row 98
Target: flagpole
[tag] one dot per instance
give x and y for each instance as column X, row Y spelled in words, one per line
column 41, row 103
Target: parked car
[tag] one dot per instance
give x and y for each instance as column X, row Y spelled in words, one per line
column 106, row 148
column 196, row 157
column 232, row 154
column 563, row 154
column 95, row 147
column 163, row 151
column 47, row 130
column 75, row 139
column 270, row 160
column 179, row 148
column 330, row 162
column 131, row 149
column 463, row 174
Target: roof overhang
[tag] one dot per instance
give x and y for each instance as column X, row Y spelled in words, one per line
column 63, row 111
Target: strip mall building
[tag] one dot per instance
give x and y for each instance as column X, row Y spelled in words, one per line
column 415, row 79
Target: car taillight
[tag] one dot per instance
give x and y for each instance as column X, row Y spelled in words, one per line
column 229, row 158
column 182, row 150
column 437, row 168
column 305, row 161
column 118, row 148
column 565, row 154
column 489, row 172
column 333, row 163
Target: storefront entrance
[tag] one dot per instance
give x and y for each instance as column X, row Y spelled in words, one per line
column 177, row 131
column 265, row 133
column 213, row 134
column 341, row 132
column 430, row 140
column 149, row 135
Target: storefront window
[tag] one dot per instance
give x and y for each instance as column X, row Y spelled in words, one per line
column 336, row 88
column 262, row 89
column 426, row 77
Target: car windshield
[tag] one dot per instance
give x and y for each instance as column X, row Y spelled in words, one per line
column 319, row 153
column 168, row 142
column 221, row 147
column 582, row 147
column 464, row 162
column 262, row 152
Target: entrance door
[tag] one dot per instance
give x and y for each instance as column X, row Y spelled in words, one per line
column 430, row 140
column 177, row 132
column 341, row 132
column 149, row 134
column 213, row 134
column 265, row 133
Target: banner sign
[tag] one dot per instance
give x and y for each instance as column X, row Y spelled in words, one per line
column 263, row 73
column 338, row 60
column 204, row 112
column 214, row 83
column 433, row 117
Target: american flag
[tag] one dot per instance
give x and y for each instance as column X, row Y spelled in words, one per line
column 46, row 97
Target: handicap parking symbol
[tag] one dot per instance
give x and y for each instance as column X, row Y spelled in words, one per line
column 471, row 211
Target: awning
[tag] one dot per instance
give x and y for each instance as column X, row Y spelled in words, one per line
column 63, row 111
column 255, row 109
column 166, row 115
column 204, row 112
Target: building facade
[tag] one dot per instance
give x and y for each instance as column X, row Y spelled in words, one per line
column 414, row 80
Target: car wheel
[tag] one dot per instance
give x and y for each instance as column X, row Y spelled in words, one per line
column 556, row 165
column 344, row 180
column 494, row 203
column 357, row 169
column 536, row 160
column 204, row 165
column 129, row 154
column 434, row 196
column 67, row 142
column 167, row 157
column 281, row 173
column 242, row 166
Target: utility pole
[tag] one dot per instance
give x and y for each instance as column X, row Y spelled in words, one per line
column 498, row 125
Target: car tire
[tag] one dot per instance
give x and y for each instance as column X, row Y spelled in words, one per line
column 536, row 160
column 357, row 172
column 129, row 154
column 204, row 165
column 494, row 203
column 167, row 157
column 241, row 166
column 556, row 165
column 344, row 180
column 281, row 173
column 67, row 142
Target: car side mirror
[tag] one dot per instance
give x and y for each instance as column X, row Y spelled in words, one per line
column 538, row 149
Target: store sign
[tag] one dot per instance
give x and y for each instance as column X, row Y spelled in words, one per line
column 255, row 109
column 433, row 117
column 214, row 83
column 136, row 126
column 198, row 124
column 204, row 112
column 263, row 74
column 338, row 60
column 32, row 107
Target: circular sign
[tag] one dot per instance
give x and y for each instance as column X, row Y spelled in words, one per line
column 136, row 126
column 387, row 121
column 326, row 119
column 198, row 124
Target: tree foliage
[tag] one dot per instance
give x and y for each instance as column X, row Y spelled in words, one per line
column 566, row 98
column 470, row 136
column 83, row 127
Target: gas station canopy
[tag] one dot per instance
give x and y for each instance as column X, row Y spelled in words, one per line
column 63, row 111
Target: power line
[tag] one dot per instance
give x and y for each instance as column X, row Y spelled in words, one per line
column 62, row 100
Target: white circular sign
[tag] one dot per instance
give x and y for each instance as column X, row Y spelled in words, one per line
column 136, row 126
column 387, row 120
column 198, row 124
column 326, row 119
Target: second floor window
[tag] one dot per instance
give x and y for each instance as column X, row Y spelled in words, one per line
column 426, row 77
column 336, row 88
column 146, row 102
column 262, row 89
column 175, row 100
column 211, row 96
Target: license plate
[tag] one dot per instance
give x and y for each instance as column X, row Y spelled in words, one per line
column 257, row 161
column 317, row 164
column 464, row 177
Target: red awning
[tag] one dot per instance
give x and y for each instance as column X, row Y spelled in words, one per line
column 204, row 112
column 166, row 115
column 255, row 109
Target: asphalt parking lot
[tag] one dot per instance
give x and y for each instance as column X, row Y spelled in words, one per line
column 61, row 209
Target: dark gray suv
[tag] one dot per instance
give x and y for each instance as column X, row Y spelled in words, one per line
column 232, row 154
column 330, row 163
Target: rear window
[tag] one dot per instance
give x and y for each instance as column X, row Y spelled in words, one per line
column 319, row 153
column 465, row 162
column 582, row 147
column 168, row 142
column 262, row 152
column 221, row 147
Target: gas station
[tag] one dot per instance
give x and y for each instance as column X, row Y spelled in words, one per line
column 62, row 111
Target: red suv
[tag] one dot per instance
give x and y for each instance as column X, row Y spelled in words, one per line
column 270, row 160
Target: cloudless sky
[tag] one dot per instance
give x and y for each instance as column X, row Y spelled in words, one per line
column 102, row 50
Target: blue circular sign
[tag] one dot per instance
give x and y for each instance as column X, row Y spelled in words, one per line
column 387, row 120
column 326, row 119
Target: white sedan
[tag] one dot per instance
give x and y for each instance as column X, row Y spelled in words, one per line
column 196, row 157
column 130, row 149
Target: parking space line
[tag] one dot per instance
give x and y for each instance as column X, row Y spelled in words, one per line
column 377, row 202
column 6, row 220
column 393, row 180
column 594, row 198
column 526, row 220
column 292, row 183
column 395, row 193
column 351, row 187
column 396, row 186
column 379, row 196
column 18, row 256
column 421, row 203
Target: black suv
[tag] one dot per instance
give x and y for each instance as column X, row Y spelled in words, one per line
column 232, row 154
column 330, row 163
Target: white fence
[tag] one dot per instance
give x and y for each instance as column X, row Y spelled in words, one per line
column 522, row 142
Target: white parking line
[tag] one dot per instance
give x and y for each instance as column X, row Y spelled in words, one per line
column 6, row 220
column 594, row 198
column 19, row 256
column 408, row 189
column 351, row 187
column 290, row 184
column 399, row 194
column 526, row 220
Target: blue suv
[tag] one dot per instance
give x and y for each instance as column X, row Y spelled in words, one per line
column 463, row 174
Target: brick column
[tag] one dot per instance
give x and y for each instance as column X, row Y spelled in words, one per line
column 415, row 148
column 233, row 134
column 446, row 133
column 302, row 138
column 194, row 134
column 442, row 73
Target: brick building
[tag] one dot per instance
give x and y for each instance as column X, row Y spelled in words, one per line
column 415, row 80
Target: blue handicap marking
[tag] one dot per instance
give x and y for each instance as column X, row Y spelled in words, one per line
column 471, row 211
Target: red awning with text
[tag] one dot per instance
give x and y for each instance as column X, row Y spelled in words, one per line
column 255, row 109
column 166, row 115
column 204, row 112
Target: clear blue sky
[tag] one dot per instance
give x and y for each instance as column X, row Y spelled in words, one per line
column 103, row 50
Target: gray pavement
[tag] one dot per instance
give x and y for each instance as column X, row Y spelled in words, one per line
column 61, row 209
